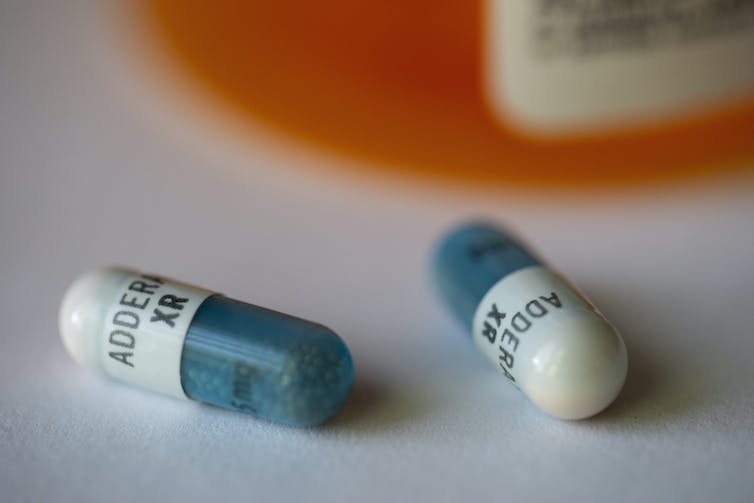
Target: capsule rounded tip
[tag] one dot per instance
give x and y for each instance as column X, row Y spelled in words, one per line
column 81, row 315
column 577, row 373
column 307, row 387
column 318, row 379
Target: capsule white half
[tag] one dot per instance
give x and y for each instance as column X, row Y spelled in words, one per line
column 105, row 312
column 551, row 343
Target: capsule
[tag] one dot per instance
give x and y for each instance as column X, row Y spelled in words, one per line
column 540, row 333
column 192, row 343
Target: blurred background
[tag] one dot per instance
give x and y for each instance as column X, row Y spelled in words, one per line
column 307, row 157
column 541, row 92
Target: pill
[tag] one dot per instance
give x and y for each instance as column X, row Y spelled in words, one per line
column 192, row 343
column 540, row 333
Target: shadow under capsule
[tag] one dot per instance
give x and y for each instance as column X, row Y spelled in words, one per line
column 374, row 406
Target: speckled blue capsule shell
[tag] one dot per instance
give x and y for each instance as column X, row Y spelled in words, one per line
column 246, row 358
column 470, row 260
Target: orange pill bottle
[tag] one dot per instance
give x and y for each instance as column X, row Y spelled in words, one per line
column 495, row 91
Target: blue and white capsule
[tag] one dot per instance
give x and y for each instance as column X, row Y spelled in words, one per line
column 543, row 335
column 192, row 343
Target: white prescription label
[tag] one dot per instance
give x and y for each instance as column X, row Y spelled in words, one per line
column 564, row 67
column 521, row 307
column 144, row 330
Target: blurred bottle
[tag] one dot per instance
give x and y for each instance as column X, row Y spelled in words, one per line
column 542, row 91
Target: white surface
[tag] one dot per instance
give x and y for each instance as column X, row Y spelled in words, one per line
column 98, row 168
column 114, row 320
column 567, row 359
